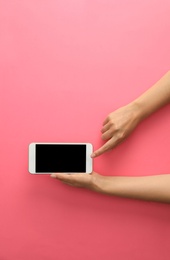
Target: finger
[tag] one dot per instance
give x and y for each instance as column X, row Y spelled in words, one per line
column 107, row 135
column 71, row 178
column 106, row 147
column 106, row 121
column 77, row 180
column 61, row 176
column 66, row 179
column 105, row 128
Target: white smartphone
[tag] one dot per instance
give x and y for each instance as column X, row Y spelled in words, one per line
column 46, row 158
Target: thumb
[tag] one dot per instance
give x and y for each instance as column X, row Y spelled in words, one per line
column 106, row 147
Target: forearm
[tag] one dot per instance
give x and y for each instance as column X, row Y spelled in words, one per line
column 153, row 188
column 154, row 98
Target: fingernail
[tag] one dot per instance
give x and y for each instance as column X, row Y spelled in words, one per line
column 53, row 176
column 93, row 155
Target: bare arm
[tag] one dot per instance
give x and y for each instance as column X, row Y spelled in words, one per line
column 120, row 123
column 154, row 98
column 152, row 188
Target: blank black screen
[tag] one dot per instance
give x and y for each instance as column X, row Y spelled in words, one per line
column 60, row 158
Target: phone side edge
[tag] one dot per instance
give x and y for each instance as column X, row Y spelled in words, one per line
column 89, row 160
column 31, row 167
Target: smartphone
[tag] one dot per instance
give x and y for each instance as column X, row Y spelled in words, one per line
column 47, row 158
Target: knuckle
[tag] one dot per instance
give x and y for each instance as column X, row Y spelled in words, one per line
column 121, row 136
column 109, row 118
column 112, row 123
column 113, row 126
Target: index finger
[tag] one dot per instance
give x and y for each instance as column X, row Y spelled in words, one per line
column 106, row 147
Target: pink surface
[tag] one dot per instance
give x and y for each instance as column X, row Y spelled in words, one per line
column 64, row 65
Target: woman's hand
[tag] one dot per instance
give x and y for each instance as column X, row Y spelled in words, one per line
column 120, row 123
column 93, row 181
column 118, row 126
column 153, row 188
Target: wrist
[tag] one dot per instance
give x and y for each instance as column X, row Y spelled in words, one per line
column 138, row 110
column 99, row 183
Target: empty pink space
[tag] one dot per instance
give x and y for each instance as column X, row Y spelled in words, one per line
column 64, row 66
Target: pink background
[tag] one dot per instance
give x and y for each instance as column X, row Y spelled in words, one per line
column 64, row 65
